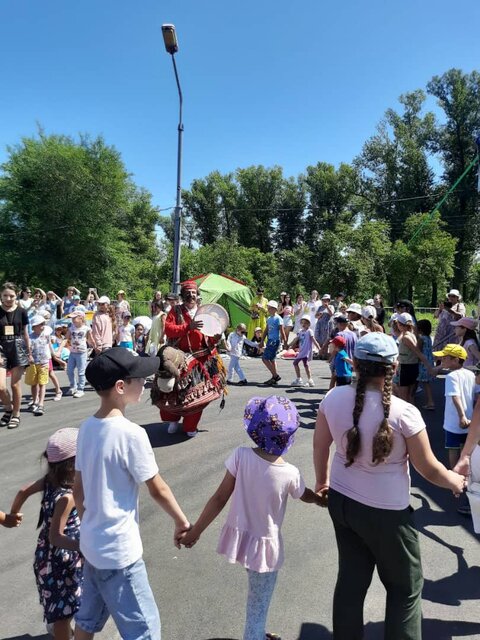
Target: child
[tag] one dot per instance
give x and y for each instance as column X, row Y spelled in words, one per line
column 103, row 325
column 305, row 341
column 465, row 330
column 37, row 373
column 424, row 328
column 78, row 334
column 459, row 395
column 58, row 563
column 114, row 457
column 235, row 342
column 125, row 332
column 260, row 481
column 341, row 362
column 273, row 332
column 255, row 351
column 140, row 341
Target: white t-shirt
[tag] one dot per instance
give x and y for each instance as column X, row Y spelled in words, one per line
column 385, row 485
column 114, row 457
column 312, row 309
column 78, row 338
column 458, row 383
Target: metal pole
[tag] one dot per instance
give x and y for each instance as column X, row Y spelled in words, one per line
column 177, row 220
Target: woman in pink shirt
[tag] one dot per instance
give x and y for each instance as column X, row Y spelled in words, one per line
column 259, row 481
column 368, row 489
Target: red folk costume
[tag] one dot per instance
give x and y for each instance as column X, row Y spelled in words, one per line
column 202, row 352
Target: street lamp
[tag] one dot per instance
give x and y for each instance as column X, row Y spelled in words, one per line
column 171, row 45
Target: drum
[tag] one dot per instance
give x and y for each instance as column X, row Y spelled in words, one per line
column 214, row 317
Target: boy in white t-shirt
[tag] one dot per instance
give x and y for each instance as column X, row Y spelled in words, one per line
column 114, row 457
column 459, row 397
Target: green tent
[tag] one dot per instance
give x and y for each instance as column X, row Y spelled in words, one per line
column 232, row 294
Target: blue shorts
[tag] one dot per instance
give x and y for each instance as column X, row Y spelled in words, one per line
column 126, row 345
column 271, row 349
column 125, row 594
column 454, row 440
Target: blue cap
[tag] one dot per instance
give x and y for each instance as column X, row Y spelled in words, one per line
column 376, row 347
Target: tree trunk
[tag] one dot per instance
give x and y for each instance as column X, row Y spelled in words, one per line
column 434, row 300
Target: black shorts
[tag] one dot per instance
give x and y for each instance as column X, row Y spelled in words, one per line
column 341, row 381
column 13, row 353
column 408, row 374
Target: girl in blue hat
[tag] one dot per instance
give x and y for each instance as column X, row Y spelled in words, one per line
column 260, row 482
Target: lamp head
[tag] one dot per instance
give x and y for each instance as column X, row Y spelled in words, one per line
column 170, row 38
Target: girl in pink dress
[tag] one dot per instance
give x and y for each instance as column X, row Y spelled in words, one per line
column 260, row 482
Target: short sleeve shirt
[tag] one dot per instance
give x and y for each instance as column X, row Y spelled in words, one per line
column 12, row 323
column 273, row 326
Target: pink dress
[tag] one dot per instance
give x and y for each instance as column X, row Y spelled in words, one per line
column 251, row 535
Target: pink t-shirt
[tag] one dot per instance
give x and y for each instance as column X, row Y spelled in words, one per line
column 251, row 535
column 385, row 485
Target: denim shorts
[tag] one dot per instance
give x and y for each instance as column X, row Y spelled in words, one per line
column 271, row 349
column 125, row 594
column 455, row 440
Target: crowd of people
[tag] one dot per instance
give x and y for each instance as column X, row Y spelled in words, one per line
column 88, row 561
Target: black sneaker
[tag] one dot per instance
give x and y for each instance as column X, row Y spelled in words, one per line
column 277, row 378
column 269, row 381
column 242, row 383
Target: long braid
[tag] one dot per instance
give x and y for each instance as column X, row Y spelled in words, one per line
column 383, row 441
column 353, row 434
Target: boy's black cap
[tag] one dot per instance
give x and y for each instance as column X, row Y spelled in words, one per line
column 118, row 364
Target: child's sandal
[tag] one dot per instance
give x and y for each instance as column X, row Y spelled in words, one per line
column 272, row 636
column 5, row 419
column 14, row 422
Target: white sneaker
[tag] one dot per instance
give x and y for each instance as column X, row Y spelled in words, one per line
column 298, row 382
column 79, row 394
column 192, row 434
column 310, row 382
column 172, row 427
column 58, row 396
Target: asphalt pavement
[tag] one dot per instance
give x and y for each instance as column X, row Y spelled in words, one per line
column 199, row 594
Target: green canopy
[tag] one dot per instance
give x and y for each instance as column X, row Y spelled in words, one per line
column 232, row 294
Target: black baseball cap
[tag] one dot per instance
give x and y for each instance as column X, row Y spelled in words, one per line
column 118, row 364
column 341, row 319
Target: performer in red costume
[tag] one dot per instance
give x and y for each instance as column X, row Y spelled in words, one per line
column 183, row 332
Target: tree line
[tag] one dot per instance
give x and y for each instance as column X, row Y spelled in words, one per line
column 71, row 213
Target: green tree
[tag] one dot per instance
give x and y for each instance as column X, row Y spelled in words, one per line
column 458, row 95
column 70, row 214
column 290, row 219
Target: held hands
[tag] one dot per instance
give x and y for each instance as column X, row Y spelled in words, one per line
column 180, row 532
column 191, row 538
column 11, row 520
column 463, row 466
column 458, row 483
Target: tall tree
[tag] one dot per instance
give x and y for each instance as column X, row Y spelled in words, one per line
column 458, row 95
column 70, row 213
column 290, row 219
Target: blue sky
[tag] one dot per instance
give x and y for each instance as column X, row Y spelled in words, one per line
column 265, row 82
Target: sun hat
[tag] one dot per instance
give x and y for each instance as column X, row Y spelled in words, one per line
column 454, row 292
column 120, row 291
column 404, row 318
column 306, row 317
column 369, row 312
column 355, row 308
column 37, row 319
column 468, row 323
column 370, row 302
column 77, row 314
column 271, row 423
column 326, row 296
column 376, row 347
column 118, row 364
column 283, row 293
column 453, row 350
column 272, row 303
column 62, row 445
column 103, row 300
column 339, row 341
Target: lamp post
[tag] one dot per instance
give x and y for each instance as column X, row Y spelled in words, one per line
column 171, row 45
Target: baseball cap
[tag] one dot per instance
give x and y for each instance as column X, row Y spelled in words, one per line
column 258, row 329
column 341, row 318
column 339, row 341
column 369, row 312
column 103, row 300
column 376, row 347
column 62, row 445
column 468, row 323
column 126, row 314
column 326, row 296
column 172, row 296
column 306, row 317
column 118, row 364
column 36, row 320
column 453, row 350
column 404, row 318
column 271, row 423
column 76, row 297
column 272, row 303
column 355, row 308
column 76, row 314
column 120, row 291
column 370, row 302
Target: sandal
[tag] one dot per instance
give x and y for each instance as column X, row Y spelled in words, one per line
column 5, row 419
column 272, row 636
column 14, row 422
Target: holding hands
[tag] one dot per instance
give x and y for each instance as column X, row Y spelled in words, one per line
column 11, row 520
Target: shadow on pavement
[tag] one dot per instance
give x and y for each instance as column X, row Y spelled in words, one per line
column 27, row 636
column 158, row 436
column 432, row 629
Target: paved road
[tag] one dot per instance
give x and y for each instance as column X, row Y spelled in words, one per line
column 200, row 595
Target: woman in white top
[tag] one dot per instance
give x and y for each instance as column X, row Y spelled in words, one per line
column 368, row 486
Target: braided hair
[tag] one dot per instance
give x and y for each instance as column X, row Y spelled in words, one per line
column 383, row 440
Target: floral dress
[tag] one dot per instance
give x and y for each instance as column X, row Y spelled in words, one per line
column 58, row 572
column 427, row 352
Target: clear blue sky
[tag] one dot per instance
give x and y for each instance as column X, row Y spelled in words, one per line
column 265, row 81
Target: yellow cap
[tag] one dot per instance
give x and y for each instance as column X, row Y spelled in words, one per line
column 453, row 350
